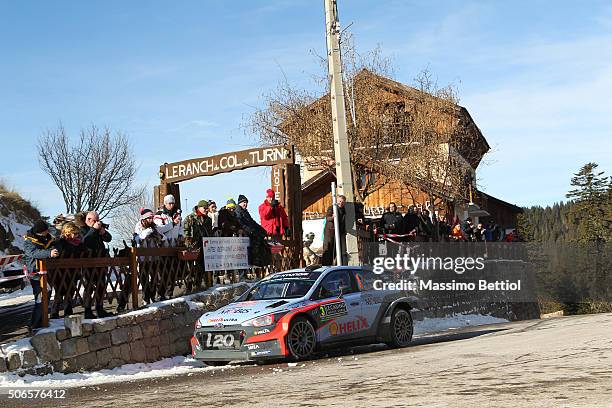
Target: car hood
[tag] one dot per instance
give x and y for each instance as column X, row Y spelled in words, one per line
column 240, row 312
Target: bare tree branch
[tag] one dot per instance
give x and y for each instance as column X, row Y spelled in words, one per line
column 95, row 173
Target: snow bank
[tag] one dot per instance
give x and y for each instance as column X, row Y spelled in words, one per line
column 315, row 226
column 17, row 346
column 440, row 324
column 128, row 372
column 17, row 297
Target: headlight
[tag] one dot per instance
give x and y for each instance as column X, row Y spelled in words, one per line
column 266, row 320
column 198, row 324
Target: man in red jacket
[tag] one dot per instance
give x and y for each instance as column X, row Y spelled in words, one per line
column 273, row 216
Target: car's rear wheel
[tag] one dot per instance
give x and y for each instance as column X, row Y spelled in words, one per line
column 301, row 339
column 400, row 329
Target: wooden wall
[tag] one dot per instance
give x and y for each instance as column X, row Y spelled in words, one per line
column 376, row 202
column 503, row 214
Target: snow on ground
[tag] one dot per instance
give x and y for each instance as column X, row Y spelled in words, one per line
column 17, row 297
column 315, row 226
column 128, row 372
column 440, row 324
column 187, row 365
column 19, row 345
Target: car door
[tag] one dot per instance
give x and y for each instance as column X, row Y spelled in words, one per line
column 339, row 314
column 371, row 300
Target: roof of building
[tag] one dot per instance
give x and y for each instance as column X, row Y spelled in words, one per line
column 488, row 197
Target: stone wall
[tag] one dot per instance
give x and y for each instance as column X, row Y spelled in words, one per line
column 160, row 330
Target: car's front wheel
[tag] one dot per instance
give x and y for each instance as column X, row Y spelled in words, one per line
column 301, row 339
column 400, row 329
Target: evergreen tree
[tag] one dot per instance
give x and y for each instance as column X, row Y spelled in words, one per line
column 524, row 227
column 590, row 212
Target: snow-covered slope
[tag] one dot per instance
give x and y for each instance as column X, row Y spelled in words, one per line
column 16, row 217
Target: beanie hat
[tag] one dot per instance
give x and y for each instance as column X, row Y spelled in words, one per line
column 40, row 226
column 242, row 198
column 169, row 199
column 270, row 193
column 145, row 213
column 203, row 203
column 230, row 203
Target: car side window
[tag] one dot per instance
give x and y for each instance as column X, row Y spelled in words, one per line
column 335, row 284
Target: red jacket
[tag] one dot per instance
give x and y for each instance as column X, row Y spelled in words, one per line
column 272, row 218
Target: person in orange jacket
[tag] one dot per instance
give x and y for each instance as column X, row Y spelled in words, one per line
column 273, row 216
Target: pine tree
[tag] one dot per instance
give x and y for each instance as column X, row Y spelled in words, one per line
column 524, row 227
column 591, row 209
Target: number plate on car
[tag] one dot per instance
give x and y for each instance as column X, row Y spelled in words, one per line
column 220, row 340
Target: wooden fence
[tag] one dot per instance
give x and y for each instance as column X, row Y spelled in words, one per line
column 89, row 281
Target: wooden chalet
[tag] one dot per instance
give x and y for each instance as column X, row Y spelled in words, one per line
column 316, row 195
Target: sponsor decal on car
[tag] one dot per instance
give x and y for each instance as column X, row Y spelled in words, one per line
column 230, row 311
column 331, row 311
column 262, row 331
column 254, row 346
column 222, row 319
column 260, row 353
column 295, row 275
column 300, row 304
column 352, row 326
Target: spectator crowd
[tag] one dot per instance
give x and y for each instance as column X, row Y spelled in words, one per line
column 85, row 235
column 421, row 226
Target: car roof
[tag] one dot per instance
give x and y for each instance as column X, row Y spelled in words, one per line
column 314, row 271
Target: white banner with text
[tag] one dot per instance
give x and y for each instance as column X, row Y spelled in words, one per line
column 224, row 253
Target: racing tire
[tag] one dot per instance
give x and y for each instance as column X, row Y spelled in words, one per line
column 301, row 339
column 216, row 363
column 401, row 329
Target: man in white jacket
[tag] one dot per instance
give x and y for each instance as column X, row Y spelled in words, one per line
column 168, row 220
column 146, row 235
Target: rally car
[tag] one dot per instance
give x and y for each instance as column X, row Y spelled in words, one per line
column 294, row 314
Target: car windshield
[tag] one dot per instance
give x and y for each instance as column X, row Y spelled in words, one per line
column 280, row 289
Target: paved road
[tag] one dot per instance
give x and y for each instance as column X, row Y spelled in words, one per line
column 562, row 362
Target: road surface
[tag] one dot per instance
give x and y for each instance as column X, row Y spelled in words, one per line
column 561, row 362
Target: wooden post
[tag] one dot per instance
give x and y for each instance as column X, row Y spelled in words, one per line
column 293, row 198
column 42, row 270
column 134, row 277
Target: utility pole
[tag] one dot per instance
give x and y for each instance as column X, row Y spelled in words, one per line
column 341, row 146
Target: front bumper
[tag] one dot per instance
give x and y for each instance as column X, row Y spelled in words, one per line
column 247, row 349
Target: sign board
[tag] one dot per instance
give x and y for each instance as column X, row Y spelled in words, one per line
column 225, row 253
column 225, row 163
column 278, row 183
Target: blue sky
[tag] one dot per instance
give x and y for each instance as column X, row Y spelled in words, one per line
column 180, row 77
